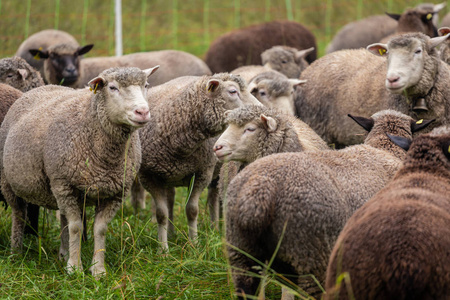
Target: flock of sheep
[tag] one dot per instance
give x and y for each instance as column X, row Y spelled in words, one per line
column 257, row 123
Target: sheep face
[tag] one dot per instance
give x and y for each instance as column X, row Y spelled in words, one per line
column 231, row 92
column 408, row 56
column 125, row 98
column 15, row 78
column 240, row 142
column 62, row 62
column 277, row 94
column 286, row 60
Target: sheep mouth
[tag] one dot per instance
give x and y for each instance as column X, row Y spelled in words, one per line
column 136, row 123
column 223, row 156
column 395, row 88
column 69, row 79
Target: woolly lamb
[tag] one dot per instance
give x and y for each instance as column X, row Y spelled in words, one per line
column 173, row 64
column 187, row 113
column 360, row 34
column 244, row 46
column 16, row 72
column 42, row 40
column 286, row 60
column 412, row 80
column 413, row 20
column 275, row 90
column 304, row 199
column 397, row 245
column 69, row 149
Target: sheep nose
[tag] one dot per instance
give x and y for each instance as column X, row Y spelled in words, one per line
column 142, row 113
column 393, row 79
column 218, row 147
column 71, row 69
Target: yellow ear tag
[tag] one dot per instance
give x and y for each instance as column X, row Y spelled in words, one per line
column 448, row 149
column 429, row 16
column 210, row 88
column 95, row 89
column 382, row 51
column 37, row 57
column 419, row 122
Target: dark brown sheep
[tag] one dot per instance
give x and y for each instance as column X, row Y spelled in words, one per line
column 244, row 46
column 397, row 245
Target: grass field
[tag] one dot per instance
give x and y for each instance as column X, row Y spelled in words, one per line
column 136, row 270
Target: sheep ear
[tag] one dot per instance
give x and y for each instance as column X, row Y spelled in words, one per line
column 212, row 85
column 366, row 123
column 150, row 71
column 421, row 124
column 85, row 49
column 393, row 16
column 443, row 31
column 23, row 73
column 400, row 141
column 302, row 53
column 378, row 49
column 96, row 83
column 438, row 40
column 438, row 7
column 296, row 82
column 269, row 123
column 38, row 54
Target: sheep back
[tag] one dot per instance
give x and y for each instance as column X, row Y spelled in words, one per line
column 244, row 46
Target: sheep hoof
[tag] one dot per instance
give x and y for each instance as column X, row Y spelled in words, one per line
column 98, row 271
column 74, row 267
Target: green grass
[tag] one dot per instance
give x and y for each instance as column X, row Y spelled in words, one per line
column 136, row 269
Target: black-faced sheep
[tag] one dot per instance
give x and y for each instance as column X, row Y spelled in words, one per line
column 360, row 34
column 411, row 79
column 62, row 63
column 69, row 149
column 244, row 46
column 275, row 90
column 16, row 72
column 173, row 64
column 413, row 20
column 397, row 245
column 302, row 201
column 42, row 40
column 187, row 113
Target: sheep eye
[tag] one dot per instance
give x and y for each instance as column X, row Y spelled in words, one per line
column 249, row 129
column 10, row 75
column 262, row 93
column 232, row 91
column 146, row 85
column 418, row 51
column 113, row 88
column 283, row 61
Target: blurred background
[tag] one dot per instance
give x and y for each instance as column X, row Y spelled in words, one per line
column 189, row 25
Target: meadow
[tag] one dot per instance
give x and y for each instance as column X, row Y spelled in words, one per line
column 136, row 269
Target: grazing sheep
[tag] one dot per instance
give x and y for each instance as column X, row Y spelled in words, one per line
column 173, row 64
column 412, row 79
column 42, row 40
column 302, row 200
column 360, row 34
column 413, row 20
column 396, row 246
column 16, row 72
column 69, row 149
column 187, row 113
column 286, row 60
column 62, row 63
column 275, row 90
column 244, row 46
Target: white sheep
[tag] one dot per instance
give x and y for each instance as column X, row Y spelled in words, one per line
column 63, row 148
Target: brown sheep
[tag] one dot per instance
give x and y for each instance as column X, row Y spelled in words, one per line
column 244, row 46
column 397, row 245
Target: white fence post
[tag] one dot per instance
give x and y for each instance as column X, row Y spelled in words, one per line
column 118, row 11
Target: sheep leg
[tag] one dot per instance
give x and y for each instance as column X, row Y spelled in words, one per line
column 137, row 196
column 103, row 215
column 64, row 246
column 192, row 212
column 18, row 215
column 33, row 219
column 213, row 202
column 171, row 201
column 75, row 227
